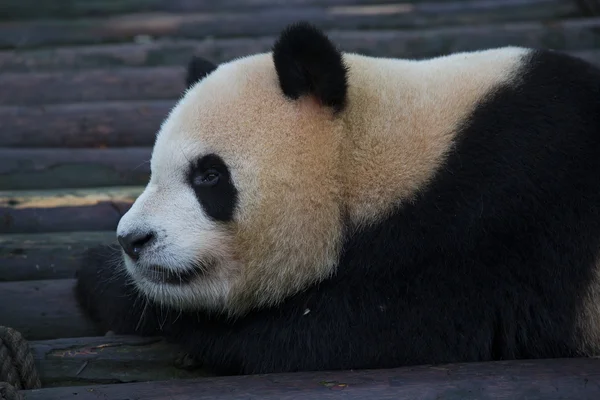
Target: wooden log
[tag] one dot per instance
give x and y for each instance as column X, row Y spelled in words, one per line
column 151, row 53
column 532, row 379
column 92, row 85
column 43, row 310
column 129, row 83
column 38, row 256
column 26, row 9
column 108, row 359
column 103, row 124
column 116, row 124
column 41, row 169
column 108, row 84
column 270, row 22
column 106, row 124
column 65, row 210
column 572, row 35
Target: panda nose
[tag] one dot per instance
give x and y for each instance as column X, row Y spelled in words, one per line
column 134, row 243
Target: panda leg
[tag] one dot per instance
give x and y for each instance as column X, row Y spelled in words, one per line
column 106, row 295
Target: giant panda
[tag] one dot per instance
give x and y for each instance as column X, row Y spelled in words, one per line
column 310, row 209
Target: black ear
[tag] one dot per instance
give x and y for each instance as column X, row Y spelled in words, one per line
column 197, row 69
column 307, row 62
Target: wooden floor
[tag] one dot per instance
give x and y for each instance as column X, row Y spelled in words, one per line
column 84, row 86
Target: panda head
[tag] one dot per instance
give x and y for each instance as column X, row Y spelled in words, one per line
column 244, row 206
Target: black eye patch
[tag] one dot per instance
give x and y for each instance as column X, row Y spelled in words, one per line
column 214, row 188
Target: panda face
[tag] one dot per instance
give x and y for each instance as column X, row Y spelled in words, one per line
column 243, row 205
column 267, row 160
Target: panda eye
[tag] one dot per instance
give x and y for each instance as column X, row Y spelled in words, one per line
column 207, row 178
column 211, row 181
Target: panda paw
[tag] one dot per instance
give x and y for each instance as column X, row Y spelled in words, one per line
column 105, row 294
column 97, row 279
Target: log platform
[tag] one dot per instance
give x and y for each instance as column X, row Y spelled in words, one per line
column 85, row 87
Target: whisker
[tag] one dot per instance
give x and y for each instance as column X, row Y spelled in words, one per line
column 137, row 327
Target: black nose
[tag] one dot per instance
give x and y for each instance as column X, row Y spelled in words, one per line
column 133, row 243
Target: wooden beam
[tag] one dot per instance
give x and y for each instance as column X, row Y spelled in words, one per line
column 92, row 85
column 531, row 379
column 570, row 35
column 264, row 12
column 39, row 256
column 25, row 9
column 102, row 124
column 116, row 124
column 65, row 210
column 41, row 169
column 417, row 40
column 43, row 309
column 106, row 84
column 175, row 52
column 108, row 359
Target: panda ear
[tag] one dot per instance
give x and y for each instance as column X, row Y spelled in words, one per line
column 307, row 62
column 197, row 70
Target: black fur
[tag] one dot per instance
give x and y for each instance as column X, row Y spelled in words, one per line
column 198, row 68
column 104, row 291
column 218, row 201
column 308, row 63
column 490, row 263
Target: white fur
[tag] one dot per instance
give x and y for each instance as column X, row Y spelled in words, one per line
column 184, row 233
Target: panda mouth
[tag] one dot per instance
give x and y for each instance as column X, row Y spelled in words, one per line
column 164, row 276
